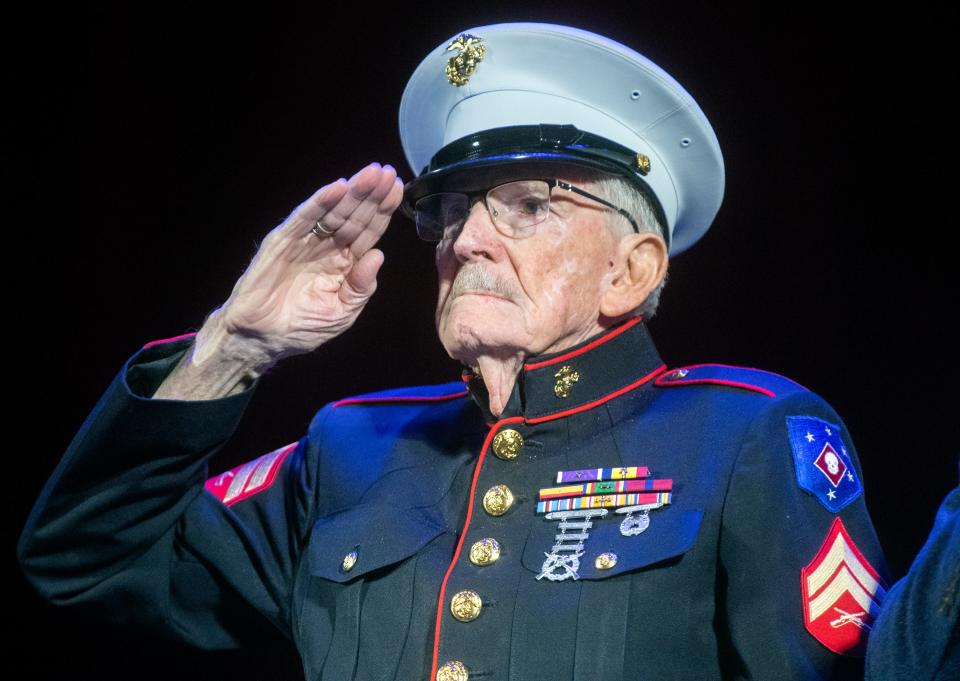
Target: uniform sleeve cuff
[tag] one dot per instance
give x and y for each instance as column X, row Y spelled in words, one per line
column 150, row 366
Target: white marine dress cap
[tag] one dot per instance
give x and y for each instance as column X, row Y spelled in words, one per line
column 509, row 94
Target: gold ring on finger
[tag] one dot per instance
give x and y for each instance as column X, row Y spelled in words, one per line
column 321, row 230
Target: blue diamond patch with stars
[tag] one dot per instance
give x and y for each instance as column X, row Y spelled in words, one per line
column 823, row 465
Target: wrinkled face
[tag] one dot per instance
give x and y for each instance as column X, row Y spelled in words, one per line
column 502, row 296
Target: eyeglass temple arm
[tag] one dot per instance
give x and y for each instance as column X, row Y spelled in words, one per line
column 577, row 190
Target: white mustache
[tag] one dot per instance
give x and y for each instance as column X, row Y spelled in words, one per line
column 478, row 279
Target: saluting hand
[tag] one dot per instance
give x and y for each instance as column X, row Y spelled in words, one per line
column 299, row 291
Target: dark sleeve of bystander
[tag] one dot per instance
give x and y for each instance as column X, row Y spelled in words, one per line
column 916, row 635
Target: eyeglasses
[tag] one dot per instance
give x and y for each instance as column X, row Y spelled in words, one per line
column 516, row 208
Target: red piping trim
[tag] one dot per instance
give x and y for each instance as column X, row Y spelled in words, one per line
column 733, row 366
column 412, row 398
column 597, row 403
column 463, row 535
column 717, row 381
column 169, row 340
column 586, row 348
column 473, row 488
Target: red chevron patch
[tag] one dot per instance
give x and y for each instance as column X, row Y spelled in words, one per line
column 247, row 479
column 842, row 593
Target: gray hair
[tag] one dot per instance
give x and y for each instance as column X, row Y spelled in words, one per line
column 623, row 193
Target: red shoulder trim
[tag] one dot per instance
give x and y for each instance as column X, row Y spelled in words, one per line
column 748, row 378
column 401, row 399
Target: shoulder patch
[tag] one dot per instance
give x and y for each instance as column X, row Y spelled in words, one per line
column 764, row 382
column 247, row 479
column 823, row 466
column 420, row 393
column 842, row 593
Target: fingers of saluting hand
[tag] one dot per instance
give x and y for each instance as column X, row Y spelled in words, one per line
column 361, row 280
column 357, row 210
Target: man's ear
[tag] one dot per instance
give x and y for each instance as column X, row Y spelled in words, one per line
column 641, row 263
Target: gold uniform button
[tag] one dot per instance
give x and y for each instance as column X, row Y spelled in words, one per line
column 498, row 500
column 454, row 670
column 507, row 444
column 605, row 561
column 485, row 551
column 466, row 605
column 349, row 561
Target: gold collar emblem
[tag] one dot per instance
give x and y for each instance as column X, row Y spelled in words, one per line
column 470, row 50
column 566, row 377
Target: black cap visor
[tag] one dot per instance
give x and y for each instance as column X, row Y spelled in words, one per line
column 508, row 154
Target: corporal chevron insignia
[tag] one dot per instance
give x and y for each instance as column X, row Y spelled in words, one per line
column 823, row 466
column 842, row 593
column 247, row 479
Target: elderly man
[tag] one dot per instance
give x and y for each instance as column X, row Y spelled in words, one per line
column 571, row 509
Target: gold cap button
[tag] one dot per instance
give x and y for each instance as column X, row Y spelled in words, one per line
column 498, row 500
column 643, row 163
column 349, row 561
column 454, row 670
column 605, row 561
column 507, row 444
column 485, row 551
column 466, row 605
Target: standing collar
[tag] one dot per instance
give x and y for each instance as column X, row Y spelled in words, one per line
column 600, row 368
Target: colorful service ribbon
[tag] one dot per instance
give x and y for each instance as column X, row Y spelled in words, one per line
column 607, row 487
column 603, row 501
column 598, row 474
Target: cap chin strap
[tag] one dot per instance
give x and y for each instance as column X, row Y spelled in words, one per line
column 458, row 165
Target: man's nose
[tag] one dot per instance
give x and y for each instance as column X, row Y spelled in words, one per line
column 478, row 238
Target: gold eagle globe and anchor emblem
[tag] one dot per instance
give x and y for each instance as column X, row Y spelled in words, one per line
column 566, row 377
column 470, row 51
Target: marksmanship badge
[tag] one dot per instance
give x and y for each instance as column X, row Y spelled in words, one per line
column 587, row 495
column 563, row 560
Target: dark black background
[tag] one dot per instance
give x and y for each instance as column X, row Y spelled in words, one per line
column 155, row 146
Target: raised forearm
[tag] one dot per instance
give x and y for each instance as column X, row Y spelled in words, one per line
column 219, row 364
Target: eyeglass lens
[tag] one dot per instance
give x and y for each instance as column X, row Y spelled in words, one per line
column 515, row 208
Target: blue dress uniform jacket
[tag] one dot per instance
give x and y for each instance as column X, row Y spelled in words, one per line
column 354, row 540
column 917, row 635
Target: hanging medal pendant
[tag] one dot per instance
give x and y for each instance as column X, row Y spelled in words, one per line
column 633, row 525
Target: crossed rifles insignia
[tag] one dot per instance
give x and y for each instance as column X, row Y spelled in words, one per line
column 586, row 495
